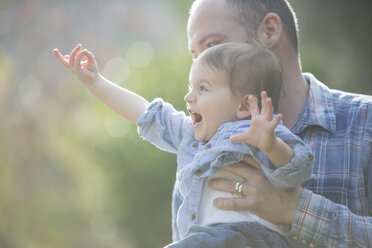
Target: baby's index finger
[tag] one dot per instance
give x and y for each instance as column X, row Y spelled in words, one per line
column 60, row 57
column 73, row 54
column 263, row 94
column 56, row 52
column 89, row 56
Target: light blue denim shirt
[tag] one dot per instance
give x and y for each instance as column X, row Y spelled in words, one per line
column 172, row 131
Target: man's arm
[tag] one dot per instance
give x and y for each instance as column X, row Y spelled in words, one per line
column 322, row 223
column 315, row 221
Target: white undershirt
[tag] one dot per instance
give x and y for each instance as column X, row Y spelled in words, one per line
column 210, row 215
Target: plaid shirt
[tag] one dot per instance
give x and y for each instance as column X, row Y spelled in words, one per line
column 336, row 209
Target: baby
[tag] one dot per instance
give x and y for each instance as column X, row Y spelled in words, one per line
column 230, row 116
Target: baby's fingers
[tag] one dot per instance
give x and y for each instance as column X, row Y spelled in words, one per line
column 253, row 105
column 91, row 63
column 238, row 138
column 269, row 109
column 89, row 56
column 76, row 66
column 61, row 58
column 73, row 55
column 275, row 122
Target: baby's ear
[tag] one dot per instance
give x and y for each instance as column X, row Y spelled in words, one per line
column 244, row 111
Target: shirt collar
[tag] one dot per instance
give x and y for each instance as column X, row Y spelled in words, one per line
column 319, row 109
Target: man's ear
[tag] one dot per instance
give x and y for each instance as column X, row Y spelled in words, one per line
column 244, row 110
column 269, row 30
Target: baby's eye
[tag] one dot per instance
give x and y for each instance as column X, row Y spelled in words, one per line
column 202, row 88
column 213, row 43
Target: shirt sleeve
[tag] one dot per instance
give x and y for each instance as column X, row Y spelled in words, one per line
column 318, row 222
column 162, row 125
column 297, row 172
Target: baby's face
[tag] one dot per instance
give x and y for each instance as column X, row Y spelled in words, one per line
column 210, row 100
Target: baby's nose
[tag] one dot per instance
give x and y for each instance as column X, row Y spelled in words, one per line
column 189, row 97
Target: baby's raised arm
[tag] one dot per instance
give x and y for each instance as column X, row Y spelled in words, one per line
column 122, row 101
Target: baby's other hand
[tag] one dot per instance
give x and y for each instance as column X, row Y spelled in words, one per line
column 261, row 132
column 85, row 70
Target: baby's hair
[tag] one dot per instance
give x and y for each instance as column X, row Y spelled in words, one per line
column 249, row 67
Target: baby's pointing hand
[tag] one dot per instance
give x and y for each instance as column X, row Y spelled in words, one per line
column 85, row 70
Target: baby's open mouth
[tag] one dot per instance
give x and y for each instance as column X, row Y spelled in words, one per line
column 197, row 118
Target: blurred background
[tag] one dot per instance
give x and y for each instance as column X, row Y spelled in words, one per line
column 74, row 174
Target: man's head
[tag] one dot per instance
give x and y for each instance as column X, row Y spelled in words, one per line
column 222, row 78
column 218, row 21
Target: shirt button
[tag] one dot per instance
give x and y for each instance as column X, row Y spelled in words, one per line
column 304, row 242
column 198, row 172
column 310, row 157
column 192, row 216
column 312, row 245
column 207, row 147
column 195, row 145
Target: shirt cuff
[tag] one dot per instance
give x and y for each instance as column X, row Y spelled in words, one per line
column 147, row 117
column 151, row 111
column 312, row 220
column 295, row 173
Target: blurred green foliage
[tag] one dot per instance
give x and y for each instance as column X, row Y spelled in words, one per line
column 73, row 174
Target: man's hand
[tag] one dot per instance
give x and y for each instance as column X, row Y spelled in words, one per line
column 85, row 70
column 259, row 195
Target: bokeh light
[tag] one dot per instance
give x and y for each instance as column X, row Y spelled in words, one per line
column 117, row 70
column 140, row 54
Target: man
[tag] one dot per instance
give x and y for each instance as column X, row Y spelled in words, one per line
column 334, row 210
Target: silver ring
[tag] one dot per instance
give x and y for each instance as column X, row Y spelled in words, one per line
column 239, row 188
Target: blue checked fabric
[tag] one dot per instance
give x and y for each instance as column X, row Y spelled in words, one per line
column 335, row 210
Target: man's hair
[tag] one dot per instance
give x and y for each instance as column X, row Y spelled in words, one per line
column 249, row 67
column 250, row 13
